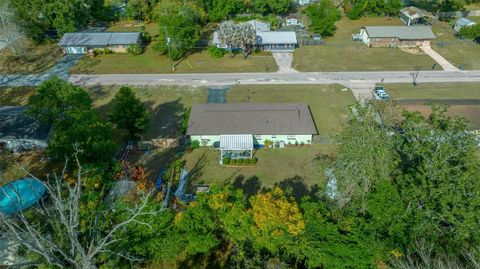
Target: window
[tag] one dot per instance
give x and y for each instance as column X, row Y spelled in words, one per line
column 291, row 137
column 258, row 137
column 274, row 136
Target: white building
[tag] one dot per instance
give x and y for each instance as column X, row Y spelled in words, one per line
column 285, row 124
column 291, row 20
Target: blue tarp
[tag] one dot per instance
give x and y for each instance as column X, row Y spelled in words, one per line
column 20, row 195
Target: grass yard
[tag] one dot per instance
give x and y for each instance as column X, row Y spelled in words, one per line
column 274, row 166
column 151, row 62
column 463, row 99
column 328, row 103
column 458, row 52
column 473, row 6
column 25, row 164
column 34, row 58
column 341, row 53
column 127, row 26
column 476, row 18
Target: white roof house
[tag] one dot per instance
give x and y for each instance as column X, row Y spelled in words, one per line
column 80, row 42
column 266, row 39
column 463, row 22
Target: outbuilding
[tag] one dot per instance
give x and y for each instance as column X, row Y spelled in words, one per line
column 244, row 125
column 396, row 36
column 82, row 42
column 414, row 16
column 20, row 132
column 463, row 22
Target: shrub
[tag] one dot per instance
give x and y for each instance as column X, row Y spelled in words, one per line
column 471, row 32
column 226, row 161
column 247, row 161
column 107, row 51
column 97, row 52
column 134, row 49
column 254, row 160
column 186, row 117
column 216, row 52
column 146, row 37
column 195, row 144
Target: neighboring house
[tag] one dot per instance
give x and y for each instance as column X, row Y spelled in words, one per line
column 265, row 39
column 463, row 22
column 283, row 124
column 396, row 36
column 414, row 16
column 81, row 42
column 20, row 132
column 291, row 20
column 304, row 2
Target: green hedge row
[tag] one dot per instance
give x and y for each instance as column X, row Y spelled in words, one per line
column 227, row 161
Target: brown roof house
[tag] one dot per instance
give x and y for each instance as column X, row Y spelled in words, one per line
column 243, row 126
column 396, row 36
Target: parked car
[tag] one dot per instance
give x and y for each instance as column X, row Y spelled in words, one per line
column 380, row 93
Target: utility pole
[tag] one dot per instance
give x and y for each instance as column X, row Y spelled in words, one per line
column 168, row 47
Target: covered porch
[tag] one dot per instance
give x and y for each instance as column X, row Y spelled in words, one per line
column 236, row 147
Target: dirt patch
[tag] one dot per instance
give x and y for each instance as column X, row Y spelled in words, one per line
column 416, row 51
column 466, row 108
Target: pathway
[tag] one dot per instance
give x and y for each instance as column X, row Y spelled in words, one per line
column 446, row 65
column 284, row 61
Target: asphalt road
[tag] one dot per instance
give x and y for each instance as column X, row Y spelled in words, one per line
column 217, row 79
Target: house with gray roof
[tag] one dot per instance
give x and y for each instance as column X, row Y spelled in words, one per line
column 82, row 42
column 237, row 126
column 396, row 36
column 20, row 132
column 265, row 39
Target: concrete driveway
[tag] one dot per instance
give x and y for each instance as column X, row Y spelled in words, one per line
column 444, row 63
column 284, row 62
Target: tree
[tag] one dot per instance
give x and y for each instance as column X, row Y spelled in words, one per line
column 237, row 35
column 55, row 98
column 438, row 180
column 322, row 17
column 218, row 10
column 9, row 30
column 85, row 130
column 272, row 6
column 129, row 113
column 179, row 23
column 53, row 231
column 471, row 32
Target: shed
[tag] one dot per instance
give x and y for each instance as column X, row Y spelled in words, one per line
column 82, row 42
column 20, row 132
column 414, row 16
column 463, row 22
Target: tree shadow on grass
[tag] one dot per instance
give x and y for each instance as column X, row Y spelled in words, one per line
column 250, row 186
column 296, row 187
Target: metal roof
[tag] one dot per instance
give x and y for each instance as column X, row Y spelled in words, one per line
column 236, row 142
column 277, row 37
column 259, row 26
column 249, row 118
column 414, row 12
column 402, row 32
column 465, row 22
column 99, row 39
column 15, row 124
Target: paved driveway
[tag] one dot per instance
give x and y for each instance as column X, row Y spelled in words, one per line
column 284, row 62
column 446, row 65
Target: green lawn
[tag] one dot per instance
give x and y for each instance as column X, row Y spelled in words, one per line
column 274, row 166
column 462, row 99
column 473, row 6
column 126, row 26
column 151, row 62
column 340, row 53
column 328, row 103
column 458, row 52
column 434, row 90
column 475, row 19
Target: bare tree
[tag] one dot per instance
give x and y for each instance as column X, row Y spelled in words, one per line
column 55, row 234
column 237, row 35
column 9, row 31
column 422, row 257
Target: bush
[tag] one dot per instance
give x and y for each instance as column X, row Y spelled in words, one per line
column 146, row 37
column 254, row 160
column 134, row 49
column 247, row 161
column 470, row 32
column 186, row 117
column 107, row 51
column 195, row 144
column 226, row 161
column 216, row 52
